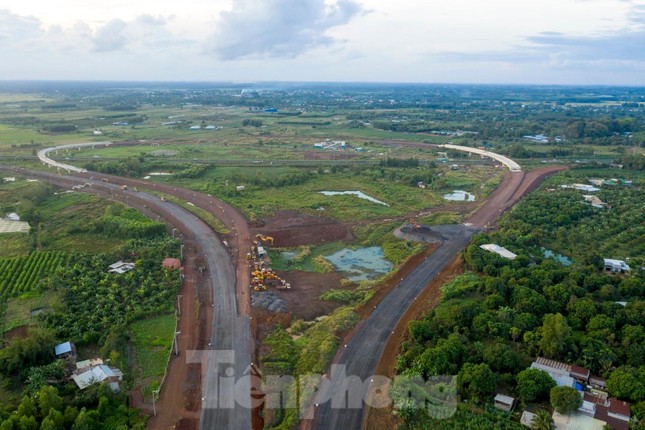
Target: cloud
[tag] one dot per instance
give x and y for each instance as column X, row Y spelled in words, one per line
column 622, row 45
column 621, row 49
column 144, row 31
column 16, row 29
column 110, row 37
column 279, row 28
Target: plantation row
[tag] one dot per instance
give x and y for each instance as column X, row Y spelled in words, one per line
column 21, row 274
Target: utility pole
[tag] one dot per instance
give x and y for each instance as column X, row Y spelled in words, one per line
column 155, row 393
column 177, row 343
column 179, row 303
column 173, row 232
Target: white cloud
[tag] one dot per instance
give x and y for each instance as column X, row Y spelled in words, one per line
column 15, row 29
column 278, row 28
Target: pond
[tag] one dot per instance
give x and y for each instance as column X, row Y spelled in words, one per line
column 288, row 255
column 460, row 196
column 558, row 257
column 362, row 263
column 359, row 194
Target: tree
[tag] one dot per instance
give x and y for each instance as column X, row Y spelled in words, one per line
column 542, row 421
column 27, row 408
column 555, row 335
column 48, row 399
column 86, row 420
column 501, row 357
column 477, row 381
column 565, row 399
column 533, row 384
column 627, row 383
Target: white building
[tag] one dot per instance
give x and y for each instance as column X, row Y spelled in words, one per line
column 98, row 374
column 120, row 267
column 500, row 250
column 616, row 265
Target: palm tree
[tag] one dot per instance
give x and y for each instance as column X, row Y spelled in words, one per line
column 542, row 421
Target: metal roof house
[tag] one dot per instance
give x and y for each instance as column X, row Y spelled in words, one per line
column 505, row 403
column 65, row 350
column 616, row 265
column 120, row 267
column 98, row 374
column 500, row 250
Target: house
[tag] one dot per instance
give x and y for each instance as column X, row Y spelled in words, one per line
column 579, row 373
column 12, row 217
column 98, row 132
column 421, row 184
column 172, row 263
column 616, row 413
column 65, row 350
column 576, row 421
column 82, row 366
column 564, row 375
column 98, row 374
column 616, row 265
column 500, row 250
column 120, row 267
column 9, row 179
column 597, row 182
column 597, row 408
column 540, row 138
column 527, row 419
column 503, row 402
column 597, row 382
column 595, row 201
column 240, row 188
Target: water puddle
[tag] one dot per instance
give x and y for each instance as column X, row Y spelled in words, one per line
column 361, row 264
column 566, row 261
column 460, row 196
column 359, row 194
column 288, row 255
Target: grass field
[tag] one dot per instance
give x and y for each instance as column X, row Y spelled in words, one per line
column 14, row 244
column 152, row 340
column 19, row 309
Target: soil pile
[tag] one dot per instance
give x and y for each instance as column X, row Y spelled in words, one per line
column 269, row 300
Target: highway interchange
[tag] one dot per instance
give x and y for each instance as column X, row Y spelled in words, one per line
column 231, row 326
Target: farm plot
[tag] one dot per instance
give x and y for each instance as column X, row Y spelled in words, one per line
column 21, row 274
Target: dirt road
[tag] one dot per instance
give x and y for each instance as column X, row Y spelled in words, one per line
column 362, row 353
column 230, row 332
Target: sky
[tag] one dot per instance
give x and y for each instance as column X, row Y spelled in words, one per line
column 426, row 41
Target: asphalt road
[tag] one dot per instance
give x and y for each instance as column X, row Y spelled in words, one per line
column 364, row 349
column 230, row 333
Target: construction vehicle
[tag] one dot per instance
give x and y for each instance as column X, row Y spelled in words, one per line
column 263, row 239
column 124, row 187
column 163, row 199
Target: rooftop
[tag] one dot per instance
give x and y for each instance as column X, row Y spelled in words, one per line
column 63, row 348
column 502, row 398
column 500, row 250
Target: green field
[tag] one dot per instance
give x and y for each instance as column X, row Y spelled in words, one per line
column 152, row 339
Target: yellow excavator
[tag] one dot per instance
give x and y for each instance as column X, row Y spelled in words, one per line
column 262, row 238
